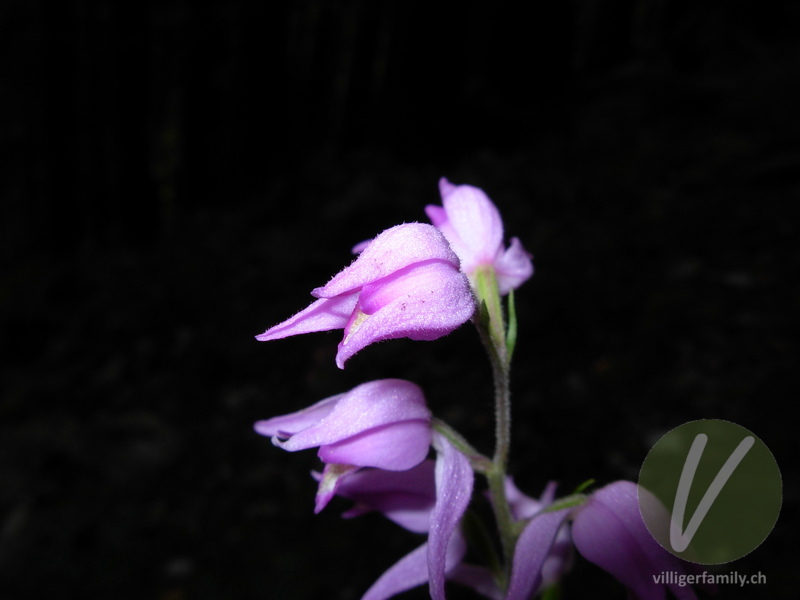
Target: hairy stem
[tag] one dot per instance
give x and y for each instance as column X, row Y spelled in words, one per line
column 491, row 326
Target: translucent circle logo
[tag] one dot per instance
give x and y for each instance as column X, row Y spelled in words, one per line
column 710, row 491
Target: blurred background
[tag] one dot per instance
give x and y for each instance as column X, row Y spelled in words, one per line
column 176, row 177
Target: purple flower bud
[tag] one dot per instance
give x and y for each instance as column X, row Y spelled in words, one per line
column 405, row 283
column 472, row 225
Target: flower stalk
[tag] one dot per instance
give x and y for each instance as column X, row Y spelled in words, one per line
column 491, row 326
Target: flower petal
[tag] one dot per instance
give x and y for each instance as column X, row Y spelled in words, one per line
column 446, row 188
column 332, row 476
column 407, row 573
column 422, row 303
column 406, row 284
column 286, row 425
column 513, row 267
column 405, row 497
column 395, row 447
column 390, row 251
column 365, row 407
column 322, row 315
column 412, row 570
column 532, row 551
column 610, row 532
column 454, row 480
column 477, row 222
column 524, row 507
column 438, row 216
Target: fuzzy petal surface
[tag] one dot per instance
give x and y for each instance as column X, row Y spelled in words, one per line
column 382, row 423
column 322, row 315
column 454, row 482
column 287, row 425
column 425, row 302
column 392, row 250
column 367, row 406
column 438, row 216
column 406, row 282
column 395, row 447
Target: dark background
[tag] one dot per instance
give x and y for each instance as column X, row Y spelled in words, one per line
column 177, row 176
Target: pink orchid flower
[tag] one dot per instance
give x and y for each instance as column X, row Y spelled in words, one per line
column 383, row 424
column 608, row 530
column 405, row 283
column 472, row 224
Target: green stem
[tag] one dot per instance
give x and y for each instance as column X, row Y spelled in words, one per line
column 491, row 326
column 497, row 477
column 502, row 409
column 485, row 281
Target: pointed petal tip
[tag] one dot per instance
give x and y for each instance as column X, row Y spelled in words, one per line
column 454, row 485
column 533, row 550
column 321, row 501
column 445, row 187
column 437, row 216
column 267, row 428
column 332, row 475
column 360, row 247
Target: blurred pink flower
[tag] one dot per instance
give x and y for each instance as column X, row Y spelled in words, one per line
column 472, row 225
